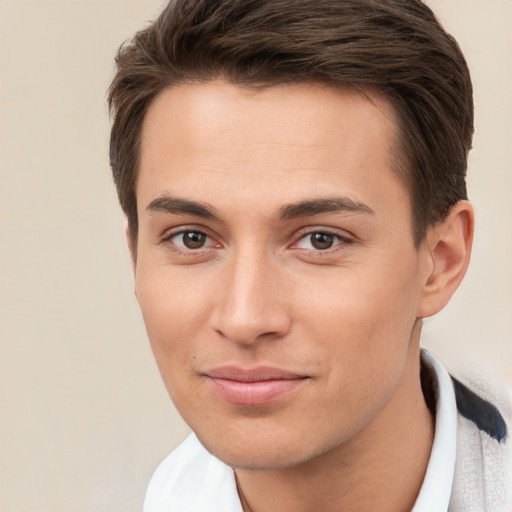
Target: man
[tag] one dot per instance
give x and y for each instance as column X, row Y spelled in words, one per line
column 293, row 175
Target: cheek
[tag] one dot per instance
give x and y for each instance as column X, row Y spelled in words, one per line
column 364, row 317
column 362, row 328
column 175, row 311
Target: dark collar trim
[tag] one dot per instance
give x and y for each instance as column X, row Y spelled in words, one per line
column 481, row 412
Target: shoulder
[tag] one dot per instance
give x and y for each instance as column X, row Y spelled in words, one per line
column 188, row 479
column 483, row 472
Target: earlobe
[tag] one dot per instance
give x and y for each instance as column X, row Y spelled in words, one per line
column 449, row 250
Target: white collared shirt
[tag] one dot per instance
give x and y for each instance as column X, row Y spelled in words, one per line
column 190, row 479
column 437, row 485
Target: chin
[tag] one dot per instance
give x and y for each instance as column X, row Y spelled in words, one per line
column 259, row 454
column 255, row 460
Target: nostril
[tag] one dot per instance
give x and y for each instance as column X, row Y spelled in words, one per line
column 253, row 331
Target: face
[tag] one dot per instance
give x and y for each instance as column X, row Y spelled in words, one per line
column 276, row 269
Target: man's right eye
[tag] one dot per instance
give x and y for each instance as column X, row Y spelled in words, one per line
column 189, row 239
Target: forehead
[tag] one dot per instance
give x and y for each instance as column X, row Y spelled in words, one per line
column 283, row 142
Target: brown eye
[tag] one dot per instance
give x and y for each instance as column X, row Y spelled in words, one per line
column 322, row 241
column 189, row 240
column 193, row 239
column 195, row 245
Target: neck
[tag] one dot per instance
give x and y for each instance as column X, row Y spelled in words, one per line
column 381, row 468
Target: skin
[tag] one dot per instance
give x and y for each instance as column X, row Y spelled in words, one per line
column 233, row 167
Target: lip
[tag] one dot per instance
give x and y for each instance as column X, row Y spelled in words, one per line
column 253, row 386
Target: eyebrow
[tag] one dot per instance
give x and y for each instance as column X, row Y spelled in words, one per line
column 307, row 208
column 179, row 206
column 318, row 206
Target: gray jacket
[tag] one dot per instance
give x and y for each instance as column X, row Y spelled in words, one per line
column 483, row 471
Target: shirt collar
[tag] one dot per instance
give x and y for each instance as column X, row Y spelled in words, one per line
column 437, row 484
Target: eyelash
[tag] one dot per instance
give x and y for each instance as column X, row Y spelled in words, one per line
column 188, row 251
column 340, row 240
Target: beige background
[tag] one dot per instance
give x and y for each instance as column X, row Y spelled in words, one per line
column 84, row 417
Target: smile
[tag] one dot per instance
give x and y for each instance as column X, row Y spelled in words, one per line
column 253, row 387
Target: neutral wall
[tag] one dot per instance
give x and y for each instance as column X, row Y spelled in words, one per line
column 84, row 417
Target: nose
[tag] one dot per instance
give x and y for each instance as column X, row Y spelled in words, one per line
column 251, row 303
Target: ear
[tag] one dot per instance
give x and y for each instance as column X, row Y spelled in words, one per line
column 448, row 250
column 131, row 243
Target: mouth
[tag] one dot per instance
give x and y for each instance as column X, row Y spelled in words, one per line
column 253, row 386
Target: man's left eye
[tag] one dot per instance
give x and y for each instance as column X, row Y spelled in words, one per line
column 319, row 241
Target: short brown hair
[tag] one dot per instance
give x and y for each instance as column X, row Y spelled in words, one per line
column 394, row 47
